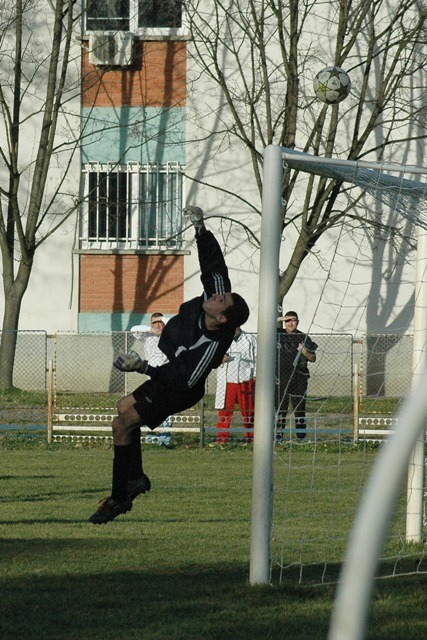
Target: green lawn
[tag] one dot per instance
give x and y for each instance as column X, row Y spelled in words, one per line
column 176, row 567
column 17, row 398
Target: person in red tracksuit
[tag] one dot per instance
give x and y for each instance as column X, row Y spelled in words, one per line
column 194, row 342
column 236, row 385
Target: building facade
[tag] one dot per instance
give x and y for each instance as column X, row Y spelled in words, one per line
column 154, row 133
column 131, row 249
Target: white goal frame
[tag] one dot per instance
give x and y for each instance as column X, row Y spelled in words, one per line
column 406, row 444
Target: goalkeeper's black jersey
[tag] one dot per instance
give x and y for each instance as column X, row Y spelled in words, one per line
column 191, row 349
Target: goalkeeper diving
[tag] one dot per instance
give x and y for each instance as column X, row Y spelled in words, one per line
column 194, row 342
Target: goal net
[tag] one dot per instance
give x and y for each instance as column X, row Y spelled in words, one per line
column 388, row 183
column 319, row 481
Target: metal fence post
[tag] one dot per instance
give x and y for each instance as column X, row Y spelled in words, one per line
column 50, row 402
column 202, row 423
column 356, row 403
column 126, row 374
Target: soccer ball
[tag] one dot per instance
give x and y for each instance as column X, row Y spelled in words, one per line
column 332, row 85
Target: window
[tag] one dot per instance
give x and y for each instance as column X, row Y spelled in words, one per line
column 152, row 13
column 108, row 216
column 107, row 15
column 137, row 16
column 132, row 207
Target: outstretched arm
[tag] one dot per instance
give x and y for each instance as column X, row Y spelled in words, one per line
column 213, row 270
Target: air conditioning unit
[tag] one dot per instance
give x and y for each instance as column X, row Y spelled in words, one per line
column 110, row 49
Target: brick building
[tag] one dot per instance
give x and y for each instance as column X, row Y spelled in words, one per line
column 133, row 157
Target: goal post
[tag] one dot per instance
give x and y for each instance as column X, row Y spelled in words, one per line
column 262, row 476
column 353, row 595
column 416, row 468
column 408, row 197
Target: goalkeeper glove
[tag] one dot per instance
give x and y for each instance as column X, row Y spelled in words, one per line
column 131, row 361
column 196, row 217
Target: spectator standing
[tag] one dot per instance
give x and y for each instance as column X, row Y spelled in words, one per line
column 295, row 351
column 149, row 335
column 236, row 385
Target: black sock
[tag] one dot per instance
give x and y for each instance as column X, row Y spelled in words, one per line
column 122, row 457
column 135, row 465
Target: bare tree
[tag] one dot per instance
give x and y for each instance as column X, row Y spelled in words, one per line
column 40, row 139
column 37, row 83
column 262, row 56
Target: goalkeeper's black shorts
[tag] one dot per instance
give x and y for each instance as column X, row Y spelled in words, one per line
column 154, row 403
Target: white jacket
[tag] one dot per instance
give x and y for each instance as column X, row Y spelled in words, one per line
column 240, row 368
column 151, row 351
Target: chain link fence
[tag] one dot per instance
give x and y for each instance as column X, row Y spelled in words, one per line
column 84, row 380
column 83, row 365
column 25, row 408
column 386, row 363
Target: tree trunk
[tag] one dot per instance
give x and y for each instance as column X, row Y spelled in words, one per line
column 9, row 334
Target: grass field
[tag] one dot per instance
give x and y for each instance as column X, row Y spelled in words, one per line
column 176, row 567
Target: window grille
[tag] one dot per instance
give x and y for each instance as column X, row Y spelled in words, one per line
column 132, row 206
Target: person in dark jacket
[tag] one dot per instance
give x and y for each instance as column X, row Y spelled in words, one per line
column 295, row 350
column 194, row 342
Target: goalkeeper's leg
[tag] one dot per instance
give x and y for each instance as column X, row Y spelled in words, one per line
column 119, row 501
column 124, row 403
column 135, row 467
